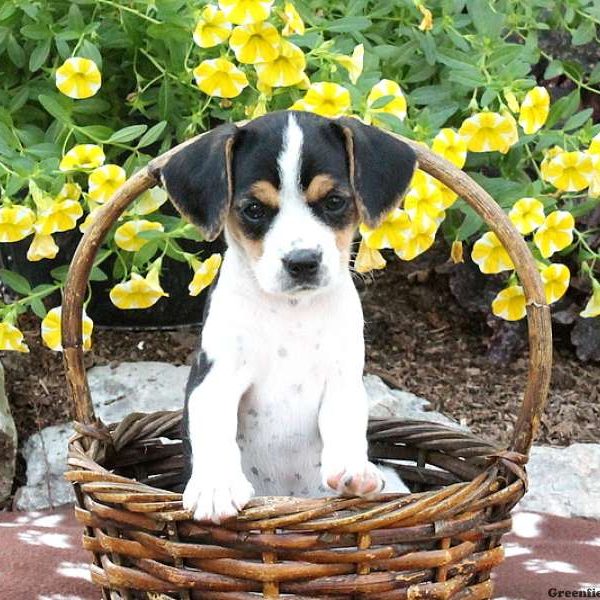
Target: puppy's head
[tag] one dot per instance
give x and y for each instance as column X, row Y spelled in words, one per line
column 289, row 189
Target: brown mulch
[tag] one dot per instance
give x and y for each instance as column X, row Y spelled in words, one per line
column 418, row 338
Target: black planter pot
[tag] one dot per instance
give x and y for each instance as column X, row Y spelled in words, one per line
column 178, row 309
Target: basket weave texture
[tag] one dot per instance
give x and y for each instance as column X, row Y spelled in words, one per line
column 439, row 542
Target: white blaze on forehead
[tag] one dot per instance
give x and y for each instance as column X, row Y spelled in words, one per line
column 289, row 160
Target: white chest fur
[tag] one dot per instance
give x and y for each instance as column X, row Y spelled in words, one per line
column 290, row 350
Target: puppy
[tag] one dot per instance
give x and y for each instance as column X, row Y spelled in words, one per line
column 275, row 402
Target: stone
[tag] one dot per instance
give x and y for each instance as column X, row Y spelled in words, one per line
column 8, row 443
column 116, row 392
column 136, row 387
column 46, row 456
column 564, row 481
column 386, row 402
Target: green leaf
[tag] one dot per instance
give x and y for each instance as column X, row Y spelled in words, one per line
column 39, row 55
column 127, row 134
column 37, row 306
column 381, row 102
column 97, row 274
column 60, row 273
column 89, row 50
column 470, row 225
column 54, row 107
column 152, row 134
column 554, row 69
column 15, row 52
column 428, row 46
column 16, row 282
column 563, row 108
column 585, row 33
column 595, row 74
column 487, row 21
column 348, row 24
column 576, row 121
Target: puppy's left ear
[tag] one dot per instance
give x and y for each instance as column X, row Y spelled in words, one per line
column 381, row 167
column 199, row 179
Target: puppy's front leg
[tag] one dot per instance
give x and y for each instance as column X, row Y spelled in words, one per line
column 343, row 419
column 218, row 488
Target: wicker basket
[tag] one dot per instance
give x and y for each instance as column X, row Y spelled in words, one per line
column 441, row 541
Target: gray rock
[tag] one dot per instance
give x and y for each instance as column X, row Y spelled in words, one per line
column 46, row 456
column 136, row 387
column 564, row 481
column 386, row 402
column 8, row 443
column 116, row 392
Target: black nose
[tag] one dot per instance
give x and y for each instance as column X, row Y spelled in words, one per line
column 302, row 265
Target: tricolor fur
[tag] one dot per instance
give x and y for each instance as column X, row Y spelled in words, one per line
column 275, row 400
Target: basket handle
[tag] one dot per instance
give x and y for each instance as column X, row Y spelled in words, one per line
column 538, row 312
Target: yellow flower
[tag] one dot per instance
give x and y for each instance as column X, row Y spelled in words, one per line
column 594, row 152
column 556, row 280
column 212, row 29
column 11, row 338
column 16, row 223
column 592, row 308
column 220, row 77
column 149, row 201
column 427, row 21
column 395, row 107
column 104, row 182
column 419, row 237
column 489, row 131
column 456, row 252
column 510, row 303
column 204, row 273
column 51, row 333
column 534, row 109
column 138, row 291
column 327, row 99
column 42, row 246
column 255, row 43
column 390, row 234
column 511, row 101
column 548, row 156
column 527, row 214
column 569, row 171
column 293, row 21
column 82, row 156
column 367, row 259
column 451, row 145
column 556, row 233
column 69, row 191
column 491, row 255
column 287, row 69
column 78, row 78
column 244, row 12
column 90, row 218
column 353, row 64
column 126, row 235
column 59, row 216
column 424, row 198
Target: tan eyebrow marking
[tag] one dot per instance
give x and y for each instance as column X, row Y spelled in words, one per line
column 319, row 187
column 266, row 192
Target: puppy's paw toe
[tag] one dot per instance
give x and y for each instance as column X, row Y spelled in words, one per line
column 216, row 499
column 364, row 480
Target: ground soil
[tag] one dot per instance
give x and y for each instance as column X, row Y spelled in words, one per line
column 418, row 338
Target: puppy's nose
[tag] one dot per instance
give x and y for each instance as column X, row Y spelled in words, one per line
column 303, row 264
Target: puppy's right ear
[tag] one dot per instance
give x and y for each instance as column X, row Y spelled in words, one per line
column 199, row 179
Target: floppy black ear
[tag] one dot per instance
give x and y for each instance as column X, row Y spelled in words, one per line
column 199, row 180
column 381, row 168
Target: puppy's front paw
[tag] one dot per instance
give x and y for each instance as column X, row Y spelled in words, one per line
column 363, row 479
column 217, row 496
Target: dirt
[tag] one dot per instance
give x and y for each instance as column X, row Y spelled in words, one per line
column 418, row 338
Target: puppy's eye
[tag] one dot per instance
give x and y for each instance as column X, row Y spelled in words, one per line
column 335, row 204
column 254, row 211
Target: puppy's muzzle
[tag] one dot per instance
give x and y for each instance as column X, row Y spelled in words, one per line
column 303, row 265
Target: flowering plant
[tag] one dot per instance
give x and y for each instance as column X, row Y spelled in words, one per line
column 94, row 89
